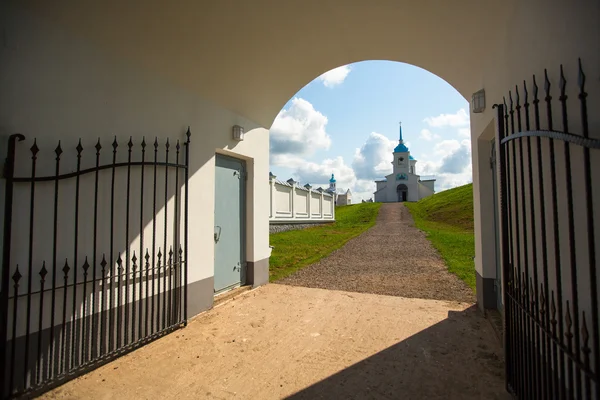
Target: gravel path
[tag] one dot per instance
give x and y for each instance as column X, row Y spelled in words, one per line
column 392, row 258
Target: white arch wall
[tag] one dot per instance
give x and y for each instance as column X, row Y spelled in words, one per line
column 537, row 35
column 212, row 65
column 231, row 51
column 56, row 85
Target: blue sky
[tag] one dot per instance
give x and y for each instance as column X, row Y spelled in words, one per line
column 346, row 122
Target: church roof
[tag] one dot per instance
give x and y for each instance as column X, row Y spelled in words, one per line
column 401, row 148
column 332, row 180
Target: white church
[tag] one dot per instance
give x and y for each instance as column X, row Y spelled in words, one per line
column 403, row 184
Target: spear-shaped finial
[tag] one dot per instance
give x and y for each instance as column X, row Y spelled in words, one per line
column 400, row 123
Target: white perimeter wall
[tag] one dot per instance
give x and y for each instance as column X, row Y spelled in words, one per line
column 424, row 190
column 292, row 203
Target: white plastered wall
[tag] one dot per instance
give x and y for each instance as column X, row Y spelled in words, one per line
column 57, row 85
column 537, row 35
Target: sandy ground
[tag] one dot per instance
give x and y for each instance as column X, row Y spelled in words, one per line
column 302, row 343
column 303, row 340
column 392, row 258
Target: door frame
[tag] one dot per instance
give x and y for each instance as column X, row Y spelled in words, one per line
column 243, row 225
column 497, row 246
column 402, row 193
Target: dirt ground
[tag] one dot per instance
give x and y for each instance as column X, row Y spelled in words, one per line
column 392, row 258
column 302, row 343
column 336, row 330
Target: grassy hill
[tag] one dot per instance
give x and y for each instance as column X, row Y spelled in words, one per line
column 447, row 219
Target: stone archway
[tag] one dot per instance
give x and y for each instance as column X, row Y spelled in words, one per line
column 90, row 70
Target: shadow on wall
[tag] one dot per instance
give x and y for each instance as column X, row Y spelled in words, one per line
column 458, row 358
column 86, row 293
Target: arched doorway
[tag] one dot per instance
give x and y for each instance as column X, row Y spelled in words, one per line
column 402, row 191
column 210, row 90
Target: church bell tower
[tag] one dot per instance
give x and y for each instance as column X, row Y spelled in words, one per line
column 401, row 158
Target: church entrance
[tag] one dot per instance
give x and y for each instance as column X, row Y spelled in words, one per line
column 402, row 191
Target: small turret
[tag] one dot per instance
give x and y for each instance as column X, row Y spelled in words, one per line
column 332, row 184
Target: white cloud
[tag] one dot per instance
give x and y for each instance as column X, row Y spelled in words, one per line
column 299, row 130
column 446, row 147
column 426, row 134
column 464, row 132
column 372, row 160
column 335, row 77
column 318, row 174
column 453, row 167
column 363, row 190
column 458, row 119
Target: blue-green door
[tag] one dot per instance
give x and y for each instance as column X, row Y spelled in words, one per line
column 229, row 238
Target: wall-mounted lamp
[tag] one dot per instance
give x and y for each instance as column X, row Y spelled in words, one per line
column 238, row 133
column 478, row 101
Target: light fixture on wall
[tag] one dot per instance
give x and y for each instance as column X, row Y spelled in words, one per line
column 238, row 133
column 478, row 101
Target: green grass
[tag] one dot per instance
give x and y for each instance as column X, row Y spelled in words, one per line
column 294, row 250
column 447, row 219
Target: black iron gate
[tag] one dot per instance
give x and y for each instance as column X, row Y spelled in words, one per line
column 549, row 242
column 94, row 256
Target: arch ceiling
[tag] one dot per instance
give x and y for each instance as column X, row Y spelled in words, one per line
column 252, row 56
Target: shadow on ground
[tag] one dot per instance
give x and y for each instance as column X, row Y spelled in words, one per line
column 449, row 360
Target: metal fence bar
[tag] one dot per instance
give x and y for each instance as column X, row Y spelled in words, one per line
column 185, row 223
column 43, row 273
column 9, row 167
column 544, row 304
column 34, row 150
column 176, row 240
column 165, row 233
column 111, row 259
column 141, row 253
column 574, row 387
column 154, row 239
column 74, row 326
column 127, row 258
column 94, row 321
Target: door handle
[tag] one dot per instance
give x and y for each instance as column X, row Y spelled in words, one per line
column 217, row 235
